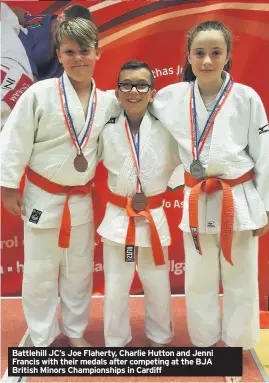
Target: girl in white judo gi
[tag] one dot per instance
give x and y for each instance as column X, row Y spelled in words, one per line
column 140, row 156
column 53, row 133
column 223, row 139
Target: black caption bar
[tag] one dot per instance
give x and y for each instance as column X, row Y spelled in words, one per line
column 129, row 361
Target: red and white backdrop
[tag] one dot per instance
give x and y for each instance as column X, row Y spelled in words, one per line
column 155, row 32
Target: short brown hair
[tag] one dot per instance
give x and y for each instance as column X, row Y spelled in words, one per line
column 82, row 31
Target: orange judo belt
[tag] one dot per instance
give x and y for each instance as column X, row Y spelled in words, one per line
column 153, row 203
column 209, row 186
column 53, row 188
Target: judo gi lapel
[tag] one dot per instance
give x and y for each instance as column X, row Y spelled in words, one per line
column 219, row 136
column 201, row 116
column 75, row 107
column 128, row 170
column 127, row 178
column 202, row 113
column 80, row 129
column 145, row 130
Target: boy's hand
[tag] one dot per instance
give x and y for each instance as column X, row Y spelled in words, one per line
column 12, row 200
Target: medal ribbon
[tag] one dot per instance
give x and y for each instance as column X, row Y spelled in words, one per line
column 134, row 148
column 198, row 144
column 69, row 121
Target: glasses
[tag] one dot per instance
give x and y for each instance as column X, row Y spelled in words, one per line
column 126, row 87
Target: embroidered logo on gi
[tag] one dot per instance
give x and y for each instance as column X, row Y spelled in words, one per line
column 36, row 214
column 33, row 21
column 35, row 25
column 112, row 120
column 263, row 130
column 211, row 224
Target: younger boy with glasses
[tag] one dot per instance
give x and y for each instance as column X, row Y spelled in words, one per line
column 140, row 156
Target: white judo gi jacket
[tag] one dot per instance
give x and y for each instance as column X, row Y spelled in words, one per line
column 16, row 73
column 238, row 142
column 36, row 135
column 158, row 159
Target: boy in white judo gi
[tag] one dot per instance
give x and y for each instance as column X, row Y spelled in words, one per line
column 140, row 156
column 223, row 137
column 53, row 133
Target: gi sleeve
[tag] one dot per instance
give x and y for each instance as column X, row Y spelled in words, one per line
column 166, row 104
column 258, row 143
column 114, row 109
column 177, row 178
column 17, row 140
column 161, row 104
column 174, row 152
column 33, row 68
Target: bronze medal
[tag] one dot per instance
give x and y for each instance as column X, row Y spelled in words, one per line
column 80, row 163
column 139, row 202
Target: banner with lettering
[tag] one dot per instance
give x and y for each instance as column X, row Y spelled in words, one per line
column 155, row 32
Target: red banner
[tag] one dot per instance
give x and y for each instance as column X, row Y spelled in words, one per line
column 155, row 32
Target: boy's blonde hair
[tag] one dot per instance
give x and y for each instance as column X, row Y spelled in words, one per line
column 82, row 31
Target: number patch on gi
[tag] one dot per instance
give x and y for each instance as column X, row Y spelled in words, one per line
column 129, row 253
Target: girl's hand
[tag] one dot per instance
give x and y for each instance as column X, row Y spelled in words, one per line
column 263, row 230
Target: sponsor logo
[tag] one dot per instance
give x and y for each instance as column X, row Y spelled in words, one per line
column 211, row 224
column 14, row 94
column 112, row 120
column 9, row 82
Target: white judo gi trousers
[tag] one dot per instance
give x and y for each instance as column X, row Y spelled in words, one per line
column 240, row 324
column 157, row 295
column 49, row 270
